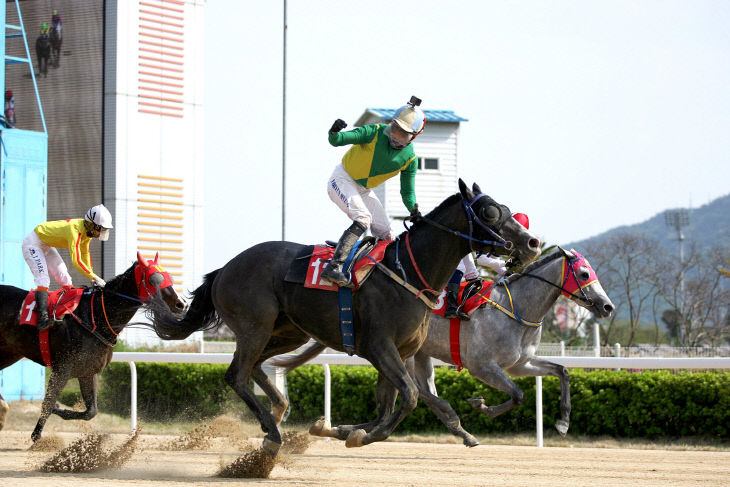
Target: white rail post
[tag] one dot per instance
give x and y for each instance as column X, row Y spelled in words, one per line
column 562, row 348
column 327, row 392
column 596, row 340
column 617, row 348
column 538, row 409
column 133, row 398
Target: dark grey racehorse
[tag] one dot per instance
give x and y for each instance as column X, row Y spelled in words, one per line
column 494, row 342
column 270, row 316
column 75, row 351
column 43, row 52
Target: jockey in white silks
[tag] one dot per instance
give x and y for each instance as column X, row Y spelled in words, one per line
column 468, row 271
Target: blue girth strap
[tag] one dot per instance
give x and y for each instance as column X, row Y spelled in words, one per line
column 344, row 301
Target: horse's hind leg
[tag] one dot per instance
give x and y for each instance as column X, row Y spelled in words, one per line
column 536, row 366
column 89, row 386
column 491, row 374
column 55, row 385
column 423, row 373
column 237, row 376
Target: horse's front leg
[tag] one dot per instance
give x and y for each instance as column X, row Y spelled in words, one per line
column 385, row 396
column 56, row 383
column 386, row 359
column 491, row 374
column 89, row 386
column 422, row 371
column 536, row 366
column 279, row 403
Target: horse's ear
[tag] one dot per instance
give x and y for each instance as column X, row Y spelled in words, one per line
column 141, row 260
column 157, row 256
column 464, row 190
column 567, row 254
column 475, row 187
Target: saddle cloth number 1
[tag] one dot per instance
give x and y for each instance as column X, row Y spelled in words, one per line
column 314, row 272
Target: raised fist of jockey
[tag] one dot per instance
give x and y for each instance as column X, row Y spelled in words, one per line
column 415, row 214
column 338, row 125
column 98, row 282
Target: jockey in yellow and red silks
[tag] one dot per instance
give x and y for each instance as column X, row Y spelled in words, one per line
column 44, row 261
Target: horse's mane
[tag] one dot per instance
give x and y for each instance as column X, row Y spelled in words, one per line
column 433, row 213
column 114, row 281
column 534, row 266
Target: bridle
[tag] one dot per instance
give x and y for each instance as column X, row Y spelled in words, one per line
column 472, row 218
column 570, row 264
column 142, row 290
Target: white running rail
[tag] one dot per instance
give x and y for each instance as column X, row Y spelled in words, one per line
column 327, row 359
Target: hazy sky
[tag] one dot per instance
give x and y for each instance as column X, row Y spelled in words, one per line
column 584, row 115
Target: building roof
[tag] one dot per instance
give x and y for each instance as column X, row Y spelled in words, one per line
column 447, row 116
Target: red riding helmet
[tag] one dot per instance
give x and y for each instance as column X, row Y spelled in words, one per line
column 522, row 219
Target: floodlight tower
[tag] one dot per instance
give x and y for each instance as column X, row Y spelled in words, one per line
column 678, row 219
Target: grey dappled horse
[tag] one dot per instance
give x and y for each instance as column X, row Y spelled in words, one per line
column 493, row 342
column 270, row 316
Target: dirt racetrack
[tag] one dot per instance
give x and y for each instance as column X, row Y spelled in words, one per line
column 385, row 463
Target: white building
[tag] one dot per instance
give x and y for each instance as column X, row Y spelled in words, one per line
column 153, row 145
column 437, row 151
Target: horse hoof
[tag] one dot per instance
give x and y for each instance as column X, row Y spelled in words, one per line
column 470, row 441
column 271, row 447
column 355, row 439
column 562, row 427
column 476, row 402
column 320, row 428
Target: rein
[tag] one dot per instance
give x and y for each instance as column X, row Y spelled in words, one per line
column 512, row 314
column 403, row 282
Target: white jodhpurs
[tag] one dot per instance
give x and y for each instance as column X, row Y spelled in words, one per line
column 358, row 203
column 467, row 267
column 44, row 262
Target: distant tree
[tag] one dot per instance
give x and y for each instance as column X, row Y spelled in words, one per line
column 627, row 265
column 697, row 298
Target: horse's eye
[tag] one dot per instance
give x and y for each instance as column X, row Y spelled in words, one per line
column 156, row 279
column 583, row 274
column 490, row 215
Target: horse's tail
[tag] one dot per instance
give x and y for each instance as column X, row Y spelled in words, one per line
column 293, row 361
column 201, row 314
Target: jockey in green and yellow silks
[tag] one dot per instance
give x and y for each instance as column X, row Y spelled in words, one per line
column 378, row 152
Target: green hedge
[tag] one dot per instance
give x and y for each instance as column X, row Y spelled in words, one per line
column 621, row 404
column 167, row 390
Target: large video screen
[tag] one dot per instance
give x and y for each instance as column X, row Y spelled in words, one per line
column 68, row 63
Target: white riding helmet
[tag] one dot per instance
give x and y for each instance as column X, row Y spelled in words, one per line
column 100, row 216
column 411, row 118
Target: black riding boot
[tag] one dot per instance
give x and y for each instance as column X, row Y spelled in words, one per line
column 41, row 306
column 452, row 300
column 333, row 272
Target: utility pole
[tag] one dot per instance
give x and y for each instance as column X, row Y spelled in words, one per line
column 678, row 219
column 283, row 134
